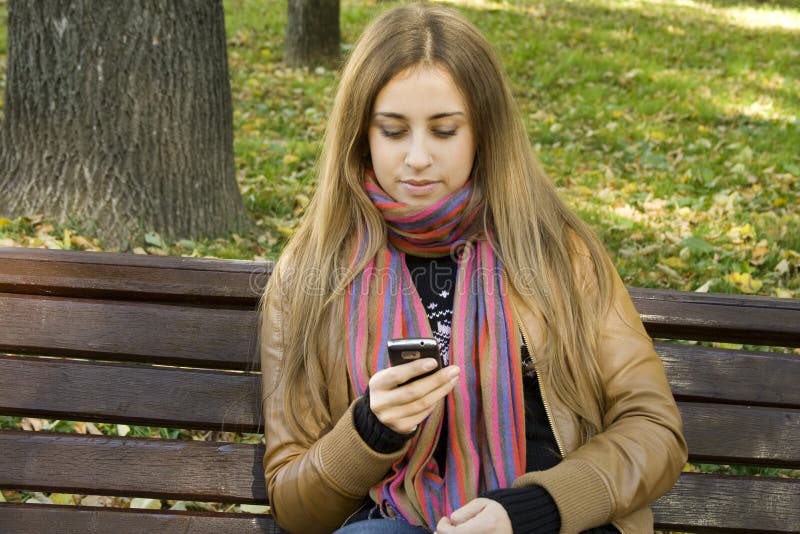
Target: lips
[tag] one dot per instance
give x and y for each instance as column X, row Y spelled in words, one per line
column 418, row 182
column 419, row 187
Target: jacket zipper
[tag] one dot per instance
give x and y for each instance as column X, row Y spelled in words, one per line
column 547, row 411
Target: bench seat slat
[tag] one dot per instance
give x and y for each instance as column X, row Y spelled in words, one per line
column 132, row 394
column 83, row 519
column 136, row 467
column 131, row 277
column 734, row 376
column 716, row 503
column 131, row 331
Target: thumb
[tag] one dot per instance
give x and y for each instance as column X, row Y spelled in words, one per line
column 468, row 511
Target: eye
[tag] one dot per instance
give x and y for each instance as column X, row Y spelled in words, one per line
column 443, row 133
column 392, row 134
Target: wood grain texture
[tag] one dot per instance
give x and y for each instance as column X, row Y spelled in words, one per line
column 751, row 435
column 707, row 503
column 733, row 376
column 129, row 331
column 133, row 394
column 666, row 313
column 136, row 467
column 216, row 400
column 40, row 519
column 132, row 277
column 713, row 317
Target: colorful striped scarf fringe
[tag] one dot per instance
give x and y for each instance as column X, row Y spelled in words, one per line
column 485, row 411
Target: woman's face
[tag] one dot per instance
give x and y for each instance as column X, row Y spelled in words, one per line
column 420, row 137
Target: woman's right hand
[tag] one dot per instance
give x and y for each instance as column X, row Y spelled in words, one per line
column 403, row 407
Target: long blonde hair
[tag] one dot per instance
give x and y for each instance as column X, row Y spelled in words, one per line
column 534, row 233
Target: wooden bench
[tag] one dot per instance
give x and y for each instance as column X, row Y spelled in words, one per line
column 171, row 342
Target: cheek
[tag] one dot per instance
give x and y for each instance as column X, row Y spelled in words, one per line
column 466, row 155
column 382, row 152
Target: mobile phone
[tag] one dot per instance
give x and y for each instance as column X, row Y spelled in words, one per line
column 408, row 350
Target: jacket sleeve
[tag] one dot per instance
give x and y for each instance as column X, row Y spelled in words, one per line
column 641, row 451
column 312, row 487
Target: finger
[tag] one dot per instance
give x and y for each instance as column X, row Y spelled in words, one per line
column 468, row 511
column 409, row 393
column 392, row 377
column 444, row 526
column 491, row 518
column 391, row 407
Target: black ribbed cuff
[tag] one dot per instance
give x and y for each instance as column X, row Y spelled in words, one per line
column 378, row 436
column 531, row 509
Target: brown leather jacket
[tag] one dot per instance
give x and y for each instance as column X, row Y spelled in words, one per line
column 315, row 487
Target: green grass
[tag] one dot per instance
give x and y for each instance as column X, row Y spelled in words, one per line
column 671, row 127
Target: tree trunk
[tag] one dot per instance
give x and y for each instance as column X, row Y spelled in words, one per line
column 118, row 115
column 312, row 33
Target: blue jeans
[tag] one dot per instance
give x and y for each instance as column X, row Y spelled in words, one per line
column 368, row 520
column 381, row 525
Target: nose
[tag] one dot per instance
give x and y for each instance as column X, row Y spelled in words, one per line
column 418, row 156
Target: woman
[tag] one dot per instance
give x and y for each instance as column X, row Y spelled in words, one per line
column 432, row 218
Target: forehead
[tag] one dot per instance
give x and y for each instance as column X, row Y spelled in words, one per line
column 426, row 90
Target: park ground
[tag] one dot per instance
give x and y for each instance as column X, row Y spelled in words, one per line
column 671, row 126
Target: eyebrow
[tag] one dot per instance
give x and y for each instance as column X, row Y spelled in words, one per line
column 400, row 116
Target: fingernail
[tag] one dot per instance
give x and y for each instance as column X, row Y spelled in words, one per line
column 454, row 372
column 430, row 363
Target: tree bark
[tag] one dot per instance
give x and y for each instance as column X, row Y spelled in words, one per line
column 118, row 115
column 312, row 33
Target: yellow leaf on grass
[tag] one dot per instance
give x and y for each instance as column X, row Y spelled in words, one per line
column 67, row 239
column 744, row 282
column 760, row 252
column 63, row 498
column 742, row 233
column 147, row 504
column 31, row 423
column 44, row 229
column 675, row 262
column 255, row 508
column 97, row 500
column 288, row 159
column 2, row 497
column 4, row 222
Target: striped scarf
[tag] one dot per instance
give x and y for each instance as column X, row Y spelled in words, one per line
column 485, row 411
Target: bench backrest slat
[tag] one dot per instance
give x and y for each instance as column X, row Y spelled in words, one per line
column 83, row 519
column 129, row 331
column 731, row 376
column 731, row 434
column 684, row 315
column 730, row 504
column 132, row 277
column 131, row 394
column 137, row 467
column 222, row 400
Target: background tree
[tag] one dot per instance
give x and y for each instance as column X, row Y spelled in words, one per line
column 119, row 114
column 312, row 33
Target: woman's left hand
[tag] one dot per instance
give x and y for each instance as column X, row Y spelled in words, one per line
column 479, row 516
